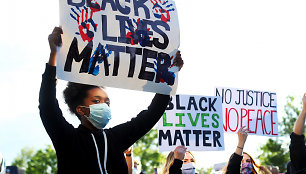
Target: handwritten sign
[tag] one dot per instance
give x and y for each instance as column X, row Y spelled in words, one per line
column 193, row 121
column 257, row 110
column 120, row 43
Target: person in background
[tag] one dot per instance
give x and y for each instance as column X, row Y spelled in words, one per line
column 297, row 148
column 242, row 162
column 174, row 161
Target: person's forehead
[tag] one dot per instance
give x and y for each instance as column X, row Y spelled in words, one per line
column 188, row 155
column 97, row 92
column 245, row 156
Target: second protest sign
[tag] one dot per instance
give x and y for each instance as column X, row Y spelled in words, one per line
column 193, row 121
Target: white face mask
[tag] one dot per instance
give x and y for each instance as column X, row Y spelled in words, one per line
column 100, row 115
column 188, row 168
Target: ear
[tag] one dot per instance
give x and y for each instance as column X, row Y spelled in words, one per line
column 82, row 110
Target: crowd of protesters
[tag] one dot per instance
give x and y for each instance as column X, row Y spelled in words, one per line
column 92, row 149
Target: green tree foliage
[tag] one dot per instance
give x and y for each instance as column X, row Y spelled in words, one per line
column 42, row 161
column 273, row 153
column 147, row 150
column 22, row 159
column 205, row 171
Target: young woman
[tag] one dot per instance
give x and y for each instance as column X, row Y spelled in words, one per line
column 90, row 148
column 242, row 162
column 179, row 162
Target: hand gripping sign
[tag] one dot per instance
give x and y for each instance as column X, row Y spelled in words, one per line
column 257, row 110
column 120, row 43
column 193, row 121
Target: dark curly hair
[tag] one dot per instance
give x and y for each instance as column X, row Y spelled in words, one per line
column 74, row 95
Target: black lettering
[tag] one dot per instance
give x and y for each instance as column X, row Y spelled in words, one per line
column 104, row 30
column 79, row 4
column 124, row 10
column 116, row 50
column 111, row 2
column 162, row 69
column 205, row 138
column 170, row 105
column 192, row 102
column 201, row 105
column 73, row 54
column 187, row 133
column 249, row 96
column 178, row 106
column 263, row 99
column 98, row 57
column 178, row 136
column 133, row 52
column 141, row 4
column 156, row 42
column 143, row 73
column 211, row 104
column 165, row 136
column 239, row 96
column 197, row 136
column 122, row 21
column 271, row 100
column 216, row 137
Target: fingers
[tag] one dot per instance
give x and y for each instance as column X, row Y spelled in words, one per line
column 55, row 39
column 178, row 61
column 179, row 152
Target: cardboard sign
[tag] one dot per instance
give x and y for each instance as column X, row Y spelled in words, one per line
column 193, row 121
column 120, row 43
column 257, row 110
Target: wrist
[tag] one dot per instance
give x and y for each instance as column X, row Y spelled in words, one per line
column 128, row 154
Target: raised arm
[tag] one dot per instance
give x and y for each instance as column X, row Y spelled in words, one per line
column 299, row 128
column 234, row 162
column 297, row 144
column 129, row 132
column 50, row 113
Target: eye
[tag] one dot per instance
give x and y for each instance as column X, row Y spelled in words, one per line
column 96, row 101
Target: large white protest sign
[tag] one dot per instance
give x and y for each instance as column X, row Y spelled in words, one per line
column 257, row 110
column 192, row 121
column 120, row 43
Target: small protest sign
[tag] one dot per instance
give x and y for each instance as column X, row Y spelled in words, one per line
column 120, row 43
column 192, row 121
column 257, row 110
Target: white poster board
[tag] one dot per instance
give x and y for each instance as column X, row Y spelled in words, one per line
column 120, row 43
column 193, row 121
column 257, row 110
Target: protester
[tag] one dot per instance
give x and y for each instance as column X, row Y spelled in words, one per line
column 297, row 147
column 90, row 148
column 179, row 161
column 241, row 162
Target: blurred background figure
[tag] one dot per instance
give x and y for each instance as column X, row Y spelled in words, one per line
column 136, row 167
column 273, row 169
column 2, row 165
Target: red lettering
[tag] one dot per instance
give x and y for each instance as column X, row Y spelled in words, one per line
column 226, row 120
column 272, row 121
column 264, row 118
column 242, row 116
column 250, row 110
column 262, row 121
column 237, row 119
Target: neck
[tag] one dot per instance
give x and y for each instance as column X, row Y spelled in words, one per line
column 88, row 125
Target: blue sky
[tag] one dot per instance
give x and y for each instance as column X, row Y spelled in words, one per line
column 256, row 45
